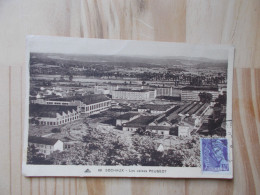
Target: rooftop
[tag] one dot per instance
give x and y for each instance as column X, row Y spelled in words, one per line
column 166, row 128
column 40, row 110
column 87, row 99
column 127, row 116
column 141, row 121
column 158, row 107
column 42, row 140
column 47, row 97
column 133, row 90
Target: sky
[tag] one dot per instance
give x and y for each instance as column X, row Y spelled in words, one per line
column 84, row 46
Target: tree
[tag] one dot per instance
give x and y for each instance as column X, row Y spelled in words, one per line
column 61, row 78
column 222, row 99
column 173, row 158
column 46, row 83
column 114, row 154
column 205, row 97
column 140, row 131
column 56, row 130
column 174, row 131
column 34, row 121
column 70, row 77
column 31, row 154
column 33, row 92
column 34, row 157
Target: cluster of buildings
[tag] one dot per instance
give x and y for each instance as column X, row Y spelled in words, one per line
column 165, row 119
column 54, row 107
column 57, row 111
column 134, row 91
column 65, row 103
column 155, row 108
column 146, row 93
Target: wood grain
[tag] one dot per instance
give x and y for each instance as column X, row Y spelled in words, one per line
column 233, row 22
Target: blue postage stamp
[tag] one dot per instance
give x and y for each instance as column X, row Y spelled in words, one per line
column 214, row 155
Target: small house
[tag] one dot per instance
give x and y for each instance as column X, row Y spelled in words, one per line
column 183, row 131
column 160, row 130
column 45, row 145
column 140, row 122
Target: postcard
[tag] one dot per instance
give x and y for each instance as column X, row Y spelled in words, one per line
column 121, row 108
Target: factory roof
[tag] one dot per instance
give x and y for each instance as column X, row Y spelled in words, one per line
column 42, row 140
column 140, row 121
column 49, row 111
column 157, row 107
column 127, row 116
column 87, row 99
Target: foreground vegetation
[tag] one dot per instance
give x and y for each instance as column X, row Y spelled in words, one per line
column 114, row 147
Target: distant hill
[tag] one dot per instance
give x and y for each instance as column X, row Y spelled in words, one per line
column 126, row 61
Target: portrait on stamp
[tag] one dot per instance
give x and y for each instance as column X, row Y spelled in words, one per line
column 214, row 155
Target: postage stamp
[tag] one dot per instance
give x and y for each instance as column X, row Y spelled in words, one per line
column 214, row 155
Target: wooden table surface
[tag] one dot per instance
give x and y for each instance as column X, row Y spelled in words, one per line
column 235, row 22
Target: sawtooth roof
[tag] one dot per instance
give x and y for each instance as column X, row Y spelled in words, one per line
column 42, row 140
column 40, row 110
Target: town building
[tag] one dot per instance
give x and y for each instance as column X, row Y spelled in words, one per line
column 222, row 88
column 52, row 114
column 102, row 89
column 160, row 130
column 105, row 89
column 191, row 93
column 183, row 131
column 124, row 118
column 93, row 104
column 133, row 94
column 45, row 145
column 164, row 91
column 55, row 102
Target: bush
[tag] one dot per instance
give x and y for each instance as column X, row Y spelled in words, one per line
column 140, row 131
column 174, row 131
column 56, row 130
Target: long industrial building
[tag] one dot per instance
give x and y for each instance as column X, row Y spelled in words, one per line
column 89, row 104
column 192, row 93
column 130, row 94
column 53, row 115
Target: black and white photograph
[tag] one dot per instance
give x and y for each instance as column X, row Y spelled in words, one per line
column 128, row 108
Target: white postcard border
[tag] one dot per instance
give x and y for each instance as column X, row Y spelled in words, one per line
column 136, row 171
